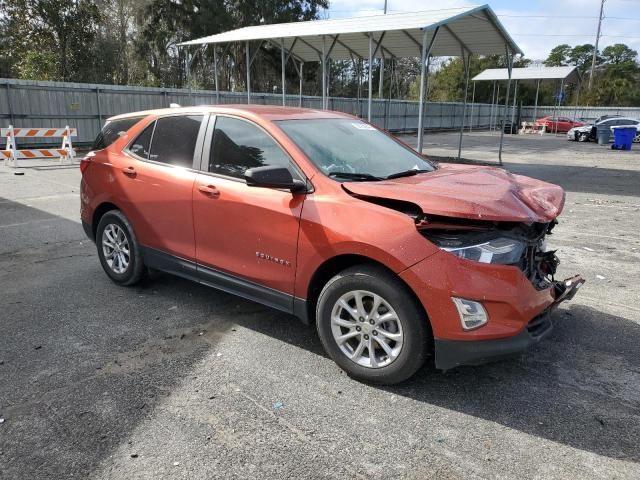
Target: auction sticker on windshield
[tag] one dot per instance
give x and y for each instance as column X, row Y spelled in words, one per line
column 363, row 126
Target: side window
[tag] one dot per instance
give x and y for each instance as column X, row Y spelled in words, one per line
column 112, row 131
column 174, row 140
column 141, row 144
column 238, row 145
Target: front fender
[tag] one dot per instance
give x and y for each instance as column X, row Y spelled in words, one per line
column 331, row 227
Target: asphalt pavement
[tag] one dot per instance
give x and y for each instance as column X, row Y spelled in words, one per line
column 170, row 379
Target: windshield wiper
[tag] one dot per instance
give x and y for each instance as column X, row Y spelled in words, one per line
column 354, row 176
column 406, row 173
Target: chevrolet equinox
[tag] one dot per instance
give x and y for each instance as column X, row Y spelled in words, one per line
column 321, row 215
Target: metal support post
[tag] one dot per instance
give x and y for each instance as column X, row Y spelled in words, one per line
column 466, row 59
column 424, row 73
column 560, row 95
column 495, row 113
column 99, row 108
column 324, row 74
column 473, row 102
column 282, row 65
column 535, row 106
column 513, row 108
column 493, row 101
column 370, row 77
column 381, row 82
column 248, row 72
column 215, row 72
column 575, row 110
column 506, row 101
column 300, row 88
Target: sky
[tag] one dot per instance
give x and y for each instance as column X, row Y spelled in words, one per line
column 536, row 25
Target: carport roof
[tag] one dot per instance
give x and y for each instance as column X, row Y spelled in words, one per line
column 529, row 73
column 477, row 29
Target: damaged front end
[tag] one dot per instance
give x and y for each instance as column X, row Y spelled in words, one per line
column 521, row 245
column 503, row 243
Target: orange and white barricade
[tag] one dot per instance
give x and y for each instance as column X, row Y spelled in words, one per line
column 11, row 154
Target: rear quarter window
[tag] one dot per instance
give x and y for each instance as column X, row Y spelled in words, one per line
column 113, row 130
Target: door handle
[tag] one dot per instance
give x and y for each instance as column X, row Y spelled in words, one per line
column 209, row 191
column 129, row 171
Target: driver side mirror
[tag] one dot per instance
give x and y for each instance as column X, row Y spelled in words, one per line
column 273, row 176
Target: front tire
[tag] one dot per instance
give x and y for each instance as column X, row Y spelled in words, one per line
column 583, row 137
column 118, row 249
column 371, row 325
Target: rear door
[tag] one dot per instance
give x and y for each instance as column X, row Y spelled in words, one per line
column 157, row 179
column 250, row 233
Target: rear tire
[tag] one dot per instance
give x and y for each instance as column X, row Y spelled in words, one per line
column 370, row 307
column 118, row 249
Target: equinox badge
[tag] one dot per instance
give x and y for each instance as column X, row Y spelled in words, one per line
column 279, row 261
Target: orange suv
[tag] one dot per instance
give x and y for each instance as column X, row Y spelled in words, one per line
column 323, row 216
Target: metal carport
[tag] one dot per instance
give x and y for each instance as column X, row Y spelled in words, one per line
column 443, row 32
column 527, row 74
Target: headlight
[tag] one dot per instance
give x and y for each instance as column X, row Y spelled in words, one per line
column 503, row 251
column 497, row 250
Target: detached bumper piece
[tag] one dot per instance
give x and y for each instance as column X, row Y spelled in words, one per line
column 453, row 353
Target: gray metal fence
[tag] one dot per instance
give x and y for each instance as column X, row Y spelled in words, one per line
column 27, row 103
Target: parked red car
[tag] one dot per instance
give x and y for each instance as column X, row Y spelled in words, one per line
column 324, row 216
column 558, row 124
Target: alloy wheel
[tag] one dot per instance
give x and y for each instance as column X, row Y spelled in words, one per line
column 367, row 329
column 115, row 247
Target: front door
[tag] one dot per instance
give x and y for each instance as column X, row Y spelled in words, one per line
column 246, row 233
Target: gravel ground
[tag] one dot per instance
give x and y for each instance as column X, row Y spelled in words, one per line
column 174, row 380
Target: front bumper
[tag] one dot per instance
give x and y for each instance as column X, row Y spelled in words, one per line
column 453, row 353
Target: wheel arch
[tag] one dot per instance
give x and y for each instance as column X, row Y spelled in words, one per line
column 334, row 265
column 98, row 213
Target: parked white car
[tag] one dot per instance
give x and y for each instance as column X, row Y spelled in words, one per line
column 588, row 133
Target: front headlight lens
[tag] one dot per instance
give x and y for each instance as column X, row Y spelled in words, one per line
column 503, row 251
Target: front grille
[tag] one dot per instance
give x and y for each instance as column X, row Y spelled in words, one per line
column 540, row 325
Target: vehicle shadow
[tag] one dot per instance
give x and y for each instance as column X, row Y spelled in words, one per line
column 84, row 361
column 579, row 388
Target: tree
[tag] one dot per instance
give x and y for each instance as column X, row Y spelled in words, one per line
column 559, row 56
column 619, row 54
column 60, row 29
column 581, row 57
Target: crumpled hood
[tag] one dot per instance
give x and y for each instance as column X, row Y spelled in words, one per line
column 472, row 192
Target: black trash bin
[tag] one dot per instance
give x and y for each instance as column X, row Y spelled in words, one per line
column 510, row 128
